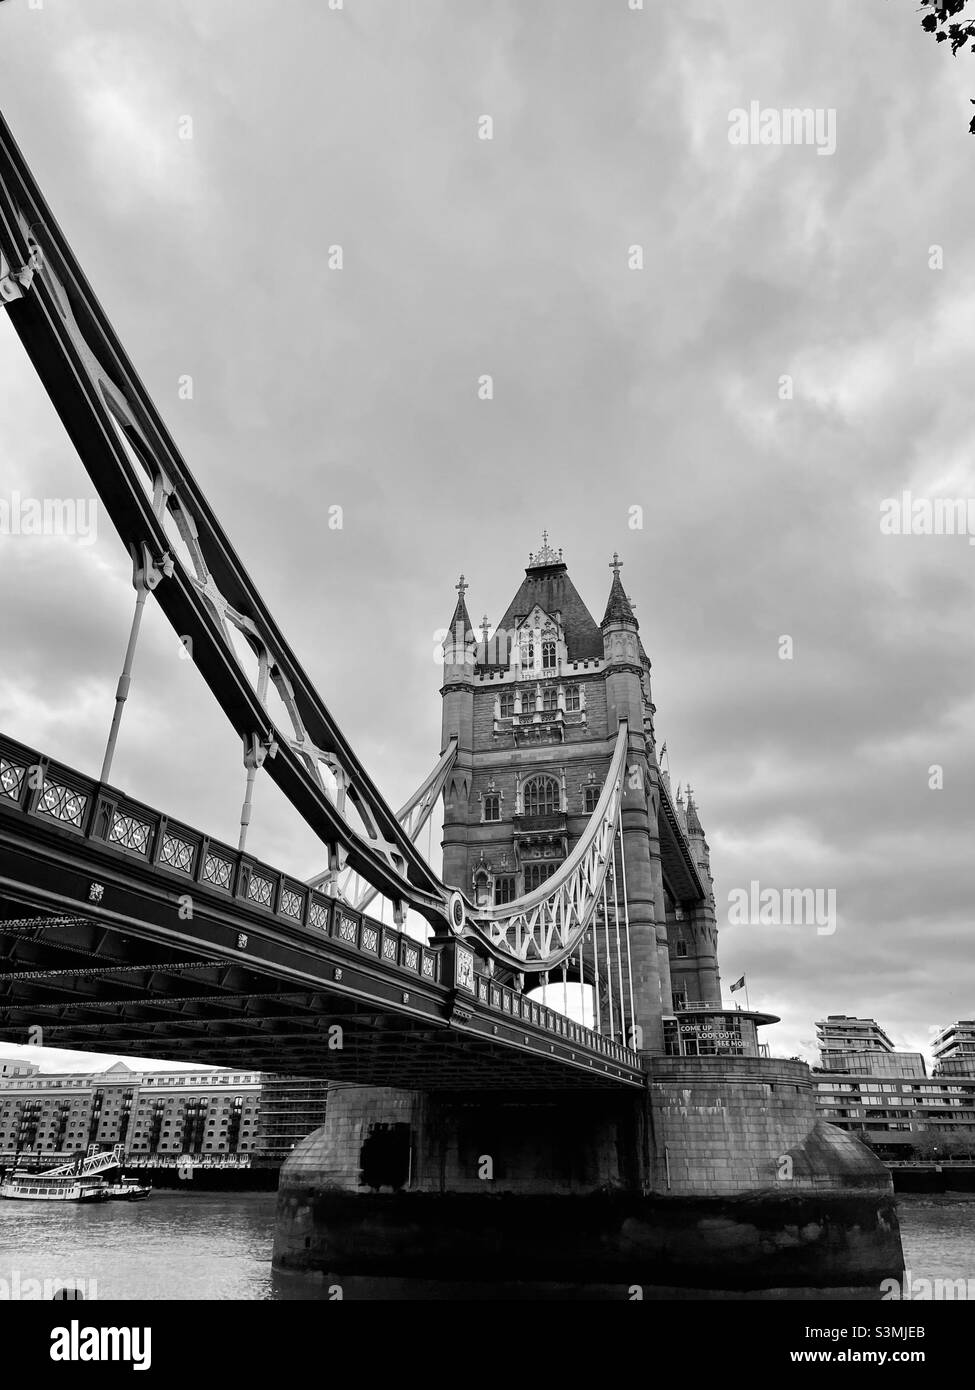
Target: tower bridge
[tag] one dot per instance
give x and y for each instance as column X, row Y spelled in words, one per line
column 477, row 1133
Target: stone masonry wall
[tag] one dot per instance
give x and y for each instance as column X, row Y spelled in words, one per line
column 738, row 1124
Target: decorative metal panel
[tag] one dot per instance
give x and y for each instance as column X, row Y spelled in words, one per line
column 176, row 853
column 62, row 803
column 11, row 779
column 218, row 870
column 130, row 833
column 260, row 890
column 291, row 904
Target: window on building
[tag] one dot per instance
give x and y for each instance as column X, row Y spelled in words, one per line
column 492, row 806
column 573, row 697
column 536, row 874
column 507, row 702
column 504, row 889
column 550, row 699
column 528, row 652
column 548, row 655
column 591, row 795
column 682, row 948
column 541, row 796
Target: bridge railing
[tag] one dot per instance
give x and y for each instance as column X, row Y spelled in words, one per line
column 94, row 811
column 42, row 789
column 515, row 1005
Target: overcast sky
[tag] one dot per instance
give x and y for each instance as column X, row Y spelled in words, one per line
column 614, row 388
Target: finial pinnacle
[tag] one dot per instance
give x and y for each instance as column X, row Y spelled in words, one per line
column 616, row 564
column 462, row 587
column 545, row 556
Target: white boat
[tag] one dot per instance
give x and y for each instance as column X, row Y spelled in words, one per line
column 78, row 1181
column 41, row 1187
column 127, row 1190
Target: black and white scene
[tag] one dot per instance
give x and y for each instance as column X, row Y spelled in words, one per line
column 487, row 677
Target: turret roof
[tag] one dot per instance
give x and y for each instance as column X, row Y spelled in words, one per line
column 548, row 585
column 461, row 614
column 618, row 609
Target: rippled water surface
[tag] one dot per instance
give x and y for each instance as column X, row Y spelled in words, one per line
column 217, row 1246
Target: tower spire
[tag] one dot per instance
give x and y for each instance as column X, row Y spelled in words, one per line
column 693, row 819
column 618, row 609
column 461, row 614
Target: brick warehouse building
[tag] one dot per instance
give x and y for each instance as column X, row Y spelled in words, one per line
column 213, row 1114
column 534, row 707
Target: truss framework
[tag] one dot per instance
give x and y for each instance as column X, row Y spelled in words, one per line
column 182, row 554
column 543, row 928
column 412, row 817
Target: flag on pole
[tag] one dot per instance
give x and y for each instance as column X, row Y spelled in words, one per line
column 739, row 984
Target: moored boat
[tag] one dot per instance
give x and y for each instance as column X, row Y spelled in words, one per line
column 127, row 1190
column 45, row 1187
column 78, row 1181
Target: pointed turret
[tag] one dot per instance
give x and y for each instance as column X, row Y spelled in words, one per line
column 619, row 610
column 457, row 692
column 622, row 651
column 693, row 820
column 460, row 624
column 697, row 972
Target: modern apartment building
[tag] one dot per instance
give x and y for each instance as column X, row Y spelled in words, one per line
column 954, row 1049
column 885, row 1098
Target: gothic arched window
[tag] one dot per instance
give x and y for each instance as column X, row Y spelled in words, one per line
column 506, row 700
column 492, row 807
column 548, row 654
column 542, row 796
column 592, row 797
column 536, row 874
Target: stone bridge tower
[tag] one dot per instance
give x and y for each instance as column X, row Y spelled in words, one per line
column 717, row 1174
column 535, row 706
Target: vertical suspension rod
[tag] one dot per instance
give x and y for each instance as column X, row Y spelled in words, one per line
column 609, row 965
column 597, row 1011
column 124, row 680
column 626, row 920
column 619, row 954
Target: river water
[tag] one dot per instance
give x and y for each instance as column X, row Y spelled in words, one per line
column 218, row 1246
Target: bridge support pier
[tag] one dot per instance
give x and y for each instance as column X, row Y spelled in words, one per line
column 718, row 1178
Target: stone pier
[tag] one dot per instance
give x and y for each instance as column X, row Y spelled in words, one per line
column 719, row 1177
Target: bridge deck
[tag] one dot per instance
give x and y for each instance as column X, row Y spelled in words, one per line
column 124, row 931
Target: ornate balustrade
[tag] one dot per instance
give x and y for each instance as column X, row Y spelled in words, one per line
column 42, row 789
